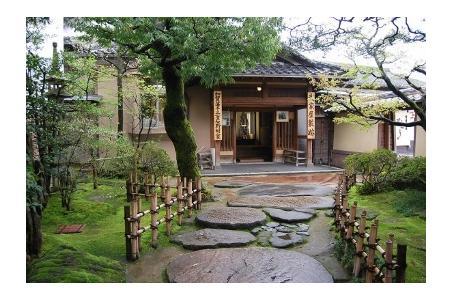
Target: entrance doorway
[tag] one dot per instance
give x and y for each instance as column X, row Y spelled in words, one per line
column 254, row 137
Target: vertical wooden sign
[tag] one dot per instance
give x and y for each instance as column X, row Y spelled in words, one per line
column 311, row 115
column 217, row 115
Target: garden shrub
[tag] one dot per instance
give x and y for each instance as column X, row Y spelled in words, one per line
column 151, row 159
column 156, row 161
column 409, row 173
column 374, row 167
column 382, row 169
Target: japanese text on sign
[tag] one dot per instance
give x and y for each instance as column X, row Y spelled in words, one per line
column 311, row 115
column 217, row 115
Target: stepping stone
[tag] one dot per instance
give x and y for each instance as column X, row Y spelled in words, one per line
column 246, row 265
column 283, row 240
column 231, row 184
column 287, row 216
column 303, row 228
column 303, row 233
column 306, row 210
column 231, row 218
column 213, row 238
column 272, row 224
column 286, row 203
column 287, row 190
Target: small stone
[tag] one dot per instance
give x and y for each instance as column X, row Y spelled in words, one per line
column 303, row 233
column 283, row 229
column 256, row 230
column 303, row 228
column 283, row 240
column 272, row 224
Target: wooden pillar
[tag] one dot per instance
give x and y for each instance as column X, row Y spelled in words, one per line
column 371, row 253
column 189, row 196
column 388, row 259
column 359, row 246
column 401, row 262
column 127, row 232
column 180, row 200
column 168, row 217
column 199, row 195
column 351, row 221
column 309, row 152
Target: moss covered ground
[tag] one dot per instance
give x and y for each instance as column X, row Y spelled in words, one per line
column 101, row 240
column 401, row 212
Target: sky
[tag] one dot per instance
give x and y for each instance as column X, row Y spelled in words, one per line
column 410, row 55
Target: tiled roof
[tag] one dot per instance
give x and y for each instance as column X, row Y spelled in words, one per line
column 290, row 63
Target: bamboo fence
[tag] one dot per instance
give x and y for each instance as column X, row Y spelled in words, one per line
column 188, row 197
column 353, row 229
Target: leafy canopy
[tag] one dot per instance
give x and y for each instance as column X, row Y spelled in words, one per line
column 211, row 49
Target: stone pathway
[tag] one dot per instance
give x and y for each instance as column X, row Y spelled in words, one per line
column 249, row 265
column 213, row 238
column 218, row 259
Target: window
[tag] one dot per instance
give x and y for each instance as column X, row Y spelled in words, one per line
column 157, row 120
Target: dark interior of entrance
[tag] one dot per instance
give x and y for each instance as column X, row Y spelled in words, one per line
column 254, row 136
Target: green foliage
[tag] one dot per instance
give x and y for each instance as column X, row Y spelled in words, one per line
column 209, row 48
column 68, row 264
column 155, row 160
column 374, row 167
column 410, row 230
column 344, row 251
column 409, row 173
column 382, row 169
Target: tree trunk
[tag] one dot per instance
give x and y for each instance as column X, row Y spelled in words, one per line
column 119, row 83
column 34, row 235
column 177, row 125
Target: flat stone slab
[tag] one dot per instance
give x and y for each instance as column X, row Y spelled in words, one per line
column 288, row 203
column 283, row 240
column 287, row 190
column 287, row 216
column 213, row 238
column 232, row 184
column 231, row 218
column 246, row 265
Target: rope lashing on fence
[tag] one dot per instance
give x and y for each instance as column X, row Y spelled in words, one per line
column 188, row 197
column 353, row 230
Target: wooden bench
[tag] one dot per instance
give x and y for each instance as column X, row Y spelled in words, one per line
column 294, row 156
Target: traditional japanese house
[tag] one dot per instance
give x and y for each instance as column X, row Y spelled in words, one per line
column 265, row 115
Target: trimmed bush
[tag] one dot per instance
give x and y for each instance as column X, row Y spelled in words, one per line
column 409, row 173
column 375, row 169
column 382, row 169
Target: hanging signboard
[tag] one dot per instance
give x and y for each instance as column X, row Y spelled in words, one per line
column 311, row 115
column 217, row 115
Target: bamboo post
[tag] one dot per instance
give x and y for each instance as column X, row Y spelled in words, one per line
column 344, row 210
column 371, row 252
column 154, row 219
column 139, row 209
column 127, row 232
column 168, row 208
column 180, row 200
column 351, row 221
column 388, row 259
column 199, row 196
column 359, row 245
column 134, row 240
column 401, row 262
column 189, row 196
column 337, row 209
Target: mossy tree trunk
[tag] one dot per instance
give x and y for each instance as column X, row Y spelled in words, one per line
column 177, row 125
